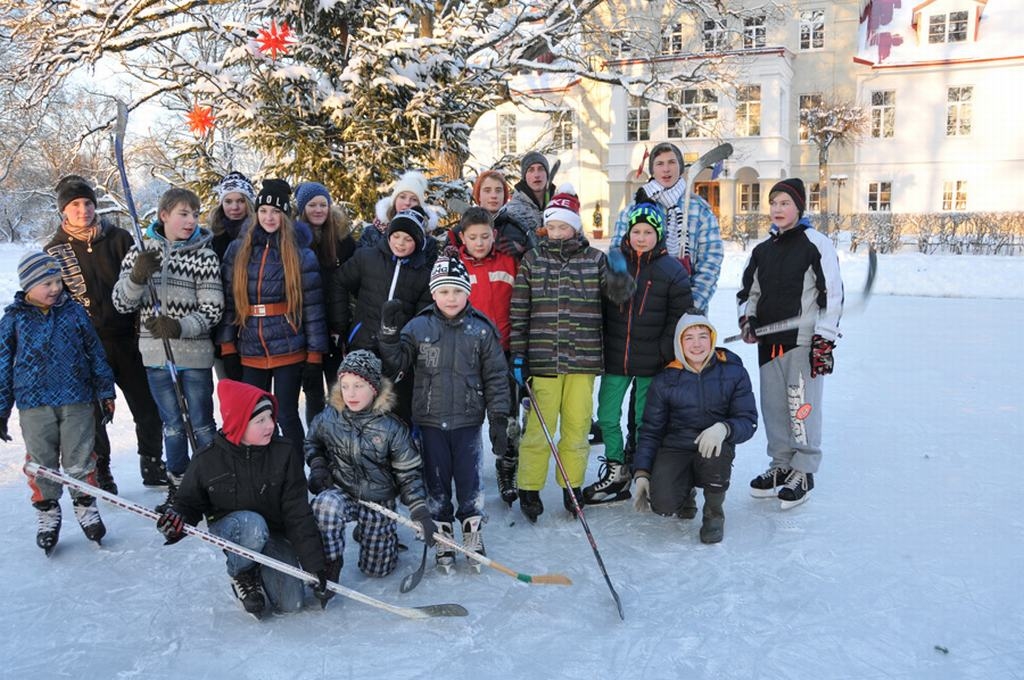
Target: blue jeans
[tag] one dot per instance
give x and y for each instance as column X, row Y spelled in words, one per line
column 287, row 382
column 197, row 384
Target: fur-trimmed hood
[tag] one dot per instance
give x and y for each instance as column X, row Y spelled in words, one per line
column 384, row 403
column 380, row 212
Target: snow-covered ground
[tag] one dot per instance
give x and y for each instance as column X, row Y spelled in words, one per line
column 905, row 563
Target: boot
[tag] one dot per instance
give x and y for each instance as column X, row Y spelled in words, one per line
column 89, row 518
column 173, row 483
column 530, row 504
column 104, row 478
column 505, row 467
column 595, row 436
column 689, row 509
column 48, row 524
column 567, row 500
column 713, row 528
column 248, row 587
column 445, row 554
column 153, row 471
column 473, row 538
column 612, row 486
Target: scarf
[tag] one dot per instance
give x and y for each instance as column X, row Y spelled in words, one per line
column 676, row 227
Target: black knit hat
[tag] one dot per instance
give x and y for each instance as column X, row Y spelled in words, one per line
column 365, row 364
column 449, row 271
column 660, row 149
column 794, row 187
column 276, row 193
column 72, row 187
column 413, row 221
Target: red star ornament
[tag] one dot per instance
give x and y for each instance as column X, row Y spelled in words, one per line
column 200, row 120
column 274, row 40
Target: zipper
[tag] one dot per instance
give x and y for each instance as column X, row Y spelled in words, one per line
column 259, row 298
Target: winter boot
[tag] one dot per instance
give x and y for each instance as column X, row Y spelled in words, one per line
column 445, row 554
column 596, row 436
column 473, row 538
column 713, row 528
column 764, row 485
column 796, row 490
column 248, row 587
column 89, row 518
column 153, row 471
column 506, row 475
column 689, row 509
column 104, row 478
column 173, row 483
column 48, row 524
column 567, row 500
column 530, row 504
column 612, row 486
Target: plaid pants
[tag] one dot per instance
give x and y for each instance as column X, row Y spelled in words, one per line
column 378, row 552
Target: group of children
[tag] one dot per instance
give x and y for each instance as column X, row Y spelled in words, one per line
column 428, row 342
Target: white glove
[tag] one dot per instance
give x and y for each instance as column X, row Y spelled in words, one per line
column 709, row 442
column 642, row 495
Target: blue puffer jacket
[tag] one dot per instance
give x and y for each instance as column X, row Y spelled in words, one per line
column 270, row 341
column 51, row 359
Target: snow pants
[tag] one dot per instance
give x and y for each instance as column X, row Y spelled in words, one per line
column 377, row 535
column 675, row 473
column 59, row 437
column 566, row 402
column 453, row 456
column 609, row 411
column 791, row 410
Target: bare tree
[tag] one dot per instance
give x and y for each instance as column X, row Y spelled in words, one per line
column 833, row 121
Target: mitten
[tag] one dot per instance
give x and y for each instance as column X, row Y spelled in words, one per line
column 4, row 434
column 620, row 286
column 163, row 327
column 642, row 494
column 426, row 522
column 520, row 372
column 391, row 318
column 498, row 431
column 747, row 326
column 232, row 366
column 172, row 525
column 617, row 261
column 709, row 442
column 320, row 478
column 822, row 361
column 146, row 264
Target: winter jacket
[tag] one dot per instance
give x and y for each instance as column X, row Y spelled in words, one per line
column 190, row 290
column 376, row 231
column 90, row 271
column 793, row 273
column 51, row 358
column 344, row 249
column 459, row 367
column 367, row 277
column 518, row 220
column 493, row 278
column 225, row 231
column 371, row 454
column 639, row 334
column 270, row 341
column 268, row 480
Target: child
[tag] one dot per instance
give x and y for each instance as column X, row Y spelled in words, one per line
column 356, row 449
column 186, row 274
column 639, row 337
column 492, row 274
column 702, row 403
column 461, row 373
column 274, row 319
column 52, row 366
column 794, row 273
column 490, row 191
column 235, row 211
column 556, row 337
column 250, row 489
column 410, row 191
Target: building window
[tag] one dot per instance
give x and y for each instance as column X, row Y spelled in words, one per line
column 750, row 197
column 814, row 197
column 672, row 41
column 879, row 196
column 638, row 120
column 507, row 134
column 620, row 45
column 954, row 195
column 812, row 29
column 950, row 27
column 748, row 111
column 563, row 131
column 807, row 102
column 753, row 33
column 675, row 114
column 958, row 111
column 883, row 113
column 701, row 108
column 715, row 37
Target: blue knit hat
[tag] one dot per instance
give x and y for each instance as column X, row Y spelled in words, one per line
column 306, row 192
column 35, row 268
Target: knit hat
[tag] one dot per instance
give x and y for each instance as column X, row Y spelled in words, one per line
column 649, row 213
column 413, row 222
column 36, row 267
column 72, row 187
column 531, row 158
column 235, row 183
column 306, row 192
column 414, row 182
column 449, row 271
column 564, row 206
column 794, row 188
column 687, row 321
column 365, row 364
column 661, row 148
column 487, row 174
column 239, row 403
column 276, row 193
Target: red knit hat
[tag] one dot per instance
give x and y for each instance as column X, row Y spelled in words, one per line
column 564, row 206
column 238, row 404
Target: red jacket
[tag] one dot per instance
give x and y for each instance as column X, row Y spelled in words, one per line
column 493, row 278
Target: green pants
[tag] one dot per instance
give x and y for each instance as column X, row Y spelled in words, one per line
column 609, row 411
column 566, row 402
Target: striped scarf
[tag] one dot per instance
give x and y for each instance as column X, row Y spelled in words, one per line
column 676, row 231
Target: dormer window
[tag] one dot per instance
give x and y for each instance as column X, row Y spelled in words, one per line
column 950, row 27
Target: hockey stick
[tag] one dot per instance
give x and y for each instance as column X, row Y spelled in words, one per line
column 538, row 579
column 709, row 159
column 179, row 393
column 575, row 501
column 424, row 612
column 414, row 578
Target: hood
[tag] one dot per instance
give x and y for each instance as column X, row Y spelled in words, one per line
column 802, row 224
column 685, row 322
column 380, row 212
column 237, row 402
column 384, row 402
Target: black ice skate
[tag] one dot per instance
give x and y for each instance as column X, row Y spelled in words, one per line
column 612, row 485
column 764, row 485
column 48, row 525
column 796, row 490
column 88, row 516
column 445, row 554
column 473, row 539
column 248, row 588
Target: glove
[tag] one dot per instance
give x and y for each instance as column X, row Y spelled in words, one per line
column 642, row 494
column 320, row 591
column 709, row 442
column 4, row 434
column 320, row 478
column 107, row 407
column 172, row 525
column 617, row 261
column 747, row 326
column 146, row 264
column 427, row 526
column 232, row 366
column 620, row 286
column 312, row 378
column 519, row 370
column 391, row 317
column 163, row 327
column 822, row 361
column 498, row 431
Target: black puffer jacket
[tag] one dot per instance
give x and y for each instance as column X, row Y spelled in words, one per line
column 459, row 366
column 269, row 480
column 370, row 453
column 638, row 334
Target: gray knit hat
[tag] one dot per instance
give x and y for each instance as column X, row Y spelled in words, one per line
column 35, row 268
column 365, row 364
column 660, row 149
column 531, row 158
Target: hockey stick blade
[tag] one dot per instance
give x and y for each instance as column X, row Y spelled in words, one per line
column 422, row 612
column 719, row 153
column 414, row 578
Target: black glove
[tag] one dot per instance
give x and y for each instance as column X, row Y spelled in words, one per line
column 146, row 264
column 519, row 370
column 107, row 407
column 232, row 366
column 748, row 324
column 312, row 378
column 320, row 478
column 427, row 526
column 392, row 318
column 498, row 431
column 163, row 327
column 4, row 434
column 172, row 525
column 330, row 573
column 822, row 361
column 620, row 286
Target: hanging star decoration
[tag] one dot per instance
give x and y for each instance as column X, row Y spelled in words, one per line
column 200, row 120
column 274, row 40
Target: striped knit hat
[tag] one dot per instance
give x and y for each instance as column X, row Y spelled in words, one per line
column 449, row 271
column 365, row 364
column 35, row 268
column 235, row 183
column 565, row 207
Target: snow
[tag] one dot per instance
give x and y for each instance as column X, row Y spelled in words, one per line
column 910, row 545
